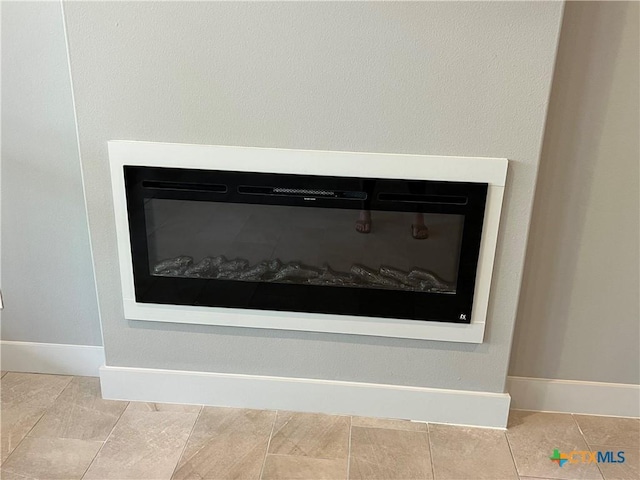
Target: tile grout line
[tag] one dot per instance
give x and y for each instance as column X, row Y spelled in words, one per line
column 349, row 448
column 264, row 460
column 49, row 407
column 193, row 427
column 22, row 440
column 94, row 457
column 290, row 455
column 513, row 457
column 433, row 467
column 104, row 442
column 586, row 441
column 40, row 417
column 569, row 413
column 393, row 429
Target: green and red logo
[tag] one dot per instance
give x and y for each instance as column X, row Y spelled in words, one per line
column 559, row 458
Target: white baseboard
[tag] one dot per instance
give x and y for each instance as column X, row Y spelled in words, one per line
column 55, row 358
column 569, row 396
column 306, row 395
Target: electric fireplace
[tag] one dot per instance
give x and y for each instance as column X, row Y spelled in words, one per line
column 275, row 239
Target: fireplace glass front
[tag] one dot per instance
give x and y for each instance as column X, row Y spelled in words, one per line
column 354, row 246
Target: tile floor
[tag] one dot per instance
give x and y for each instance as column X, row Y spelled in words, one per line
column 59, row 427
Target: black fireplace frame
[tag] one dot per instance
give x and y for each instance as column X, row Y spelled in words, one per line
column 462, row 198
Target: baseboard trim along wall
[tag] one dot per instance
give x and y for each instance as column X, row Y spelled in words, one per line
column 54, row 358
column 306, row 395
column 569, row 396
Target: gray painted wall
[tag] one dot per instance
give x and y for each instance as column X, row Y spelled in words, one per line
column 47, row 275
column 587, row 169
column 442, row 78
column 579, row 313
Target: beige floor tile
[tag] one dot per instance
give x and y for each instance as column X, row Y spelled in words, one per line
column 386, row 454
column 470, row 453
column 610, row 430
column 628, row 470
column 310, row 435
column 24, row 399
column 533, row 436
column 2, row 373
column 7, row 475
column 296, row 467
column 226, row 443
column 163, row 407
column 80, row 412
column 49, row 458
column 143, row 445
column 393, row 424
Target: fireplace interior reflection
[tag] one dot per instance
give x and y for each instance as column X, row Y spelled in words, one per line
column 301, row 245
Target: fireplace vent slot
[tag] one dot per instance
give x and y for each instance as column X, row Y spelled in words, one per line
column 302, row 192
column 192, row 187
column 416, row 198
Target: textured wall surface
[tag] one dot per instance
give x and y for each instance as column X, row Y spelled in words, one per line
column 579, row 315
column 442, row 78
column 47, row 275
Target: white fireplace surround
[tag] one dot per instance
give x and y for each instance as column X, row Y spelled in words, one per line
column 311, row 162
